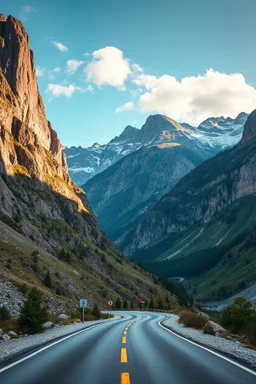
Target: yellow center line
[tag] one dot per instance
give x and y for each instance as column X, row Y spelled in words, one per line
column 124, row 340
column 126, row 328
column 125, row 332
column 125, row 378
column 123, row 355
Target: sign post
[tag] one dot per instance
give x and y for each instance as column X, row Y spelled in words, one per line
column 83, row 304
column 142, row 302
column 110, row 303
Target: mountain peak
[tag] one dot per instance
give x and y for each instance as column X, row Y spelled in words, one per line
column 96, row 145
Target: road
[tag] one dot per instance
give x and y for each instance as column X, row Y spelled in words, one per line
column 133, row 350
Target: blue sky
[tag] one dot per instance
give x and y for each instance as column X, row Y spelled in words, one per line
column 105, row 64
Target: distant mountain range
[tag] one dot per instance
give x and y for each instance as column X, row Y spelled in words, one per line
column 211, row 136
column 204, row 229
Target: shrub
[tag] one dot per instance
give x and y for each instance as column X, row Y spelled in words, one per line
column 118, row 303
column 191, row 319
column 33, row 314
column 4, row 313
column 250, row 332
column 96, row 311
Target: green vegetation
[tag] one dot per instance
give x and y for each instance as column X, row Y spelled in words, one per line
column 4, row 313
column 191, row 319
column 239, row 315
column 96, row 311
column 47, row 280
column 34, row 313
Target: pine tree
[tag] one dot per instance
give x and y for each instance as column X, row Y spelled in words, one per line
column 47, row 280
column 96, row 311
column 33, row 314
column 125, row 304
column 118, row 303
column 151, row 303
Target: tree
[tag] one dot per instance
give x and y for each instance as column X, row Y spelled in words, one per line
column 47, row 280
column 118, row 303
column 34, row 313
column 96, row 311
column 238, row 315
column 125, row 304
column 160, row 303
column 151, row 303
column 4, row 313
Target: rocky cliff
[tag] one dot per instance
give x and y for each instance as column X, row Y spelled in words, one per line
column 200, row 195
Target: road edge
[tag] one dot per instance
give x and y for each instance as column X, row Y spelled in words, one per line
column 224, row 355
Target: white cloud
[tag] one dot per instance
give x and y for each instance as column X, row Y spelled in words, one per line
column 86, row 54
column 195, row 98
column 137, row 68
column 125, row 107
column 89, row 89
column 61, row 47
column 40, row 71
column 25, row 11
column 64, row 90
column 108, row 66
column 56, row 70
column 73, row 65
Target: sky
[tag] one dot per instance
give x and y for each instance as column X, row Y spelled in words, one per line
column 106, row 64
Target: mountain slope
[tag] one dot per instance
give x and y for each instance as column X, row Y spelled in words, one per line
column 207, row 219
column 46, row 222
column 212, row 135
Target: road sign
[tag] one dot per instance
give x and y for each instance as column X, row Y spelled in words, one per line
column 110, row 303
column 83, row 303
column 142, row 302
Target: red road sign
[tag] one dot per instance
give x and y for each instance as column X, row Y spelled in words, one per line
column 142, row 302
column 110, row 302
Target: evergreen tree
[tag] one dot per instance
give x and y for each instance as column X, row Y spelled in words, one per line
column 151, row 303
column 125, row 304
column 118, row 303
column 96, row 311
column 33, row 314
column 47, row 280
column 160, row 304
column 4, row 313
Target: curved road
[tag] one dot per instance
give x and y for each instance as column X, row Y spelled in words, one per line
column 133, row 350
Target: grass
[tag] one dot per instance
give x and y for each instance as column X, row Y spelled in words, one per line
column 192, row 319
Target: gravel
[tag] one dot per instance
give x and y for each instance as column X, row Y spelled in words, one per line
column 14, row 348
column 228, row 347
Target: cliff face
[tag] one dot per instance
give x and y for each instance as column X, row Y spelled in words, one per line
column 31, row 159
column 200, row 195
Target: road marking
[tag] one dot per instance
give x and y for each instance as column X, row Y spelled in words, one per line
column 124, row 340
column 125, row 332
column 123, row 355
column 126, row 328
column 44, row 348
column 125, row 378
column 209, row 350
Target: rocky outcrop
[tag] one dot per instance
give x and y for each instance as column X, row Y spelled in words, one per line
column 249, row 128
column 212, row 328
column 32, row 163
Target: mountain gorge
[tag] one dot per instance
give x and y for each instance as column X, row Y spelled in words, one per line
column 205, row 226
column 46, row 222
column 122, row 194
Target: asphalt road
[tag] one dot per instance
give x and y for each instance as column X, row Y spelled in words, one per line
column 133, row 350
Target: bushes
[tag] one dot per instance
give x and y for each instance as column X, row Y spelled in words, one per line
column 96, row 311
column 250, row 332
column 33, row 314
column 4, row 313
column 191, row 319
column 238, row 315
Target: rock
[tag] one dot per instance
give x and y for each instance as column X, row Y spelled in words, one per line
column 212, row 328
column 48, row 325
column 204, row 315
column 12, row 334
column 1, row 331
column 63, row 316
column 6, row 337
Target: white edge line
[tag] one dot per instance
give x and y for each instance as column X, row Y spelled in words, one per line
column 44, row 348
column 209, row 350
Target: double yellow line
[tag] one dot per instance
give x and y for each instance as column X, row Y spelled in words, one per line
column 125, row 377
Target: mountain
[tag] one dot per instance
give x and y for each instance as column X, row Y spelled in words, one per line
column 123, row 193
column 46, row 222
column 213, row 135
column 204, row 228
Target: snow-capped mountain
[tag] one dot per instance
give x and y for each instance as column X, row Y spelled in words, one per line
column 211, row 136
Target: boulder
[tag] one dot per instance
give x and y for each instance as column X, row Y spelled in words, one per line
column 12, row 334
column 1, row 331
column 48, row 325
column 212, row 328
column 63, row 316
column 6, row 337
column 204, row 315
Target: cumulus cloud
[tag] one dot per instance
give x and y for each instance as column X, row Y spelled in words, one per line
column 61, row 47
column 40, row 71
column 64, row 90
column 125, row 107
column 25, row 11
column 195, row 98
column 56, row 70
column 73, row 65
column 108, row 66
